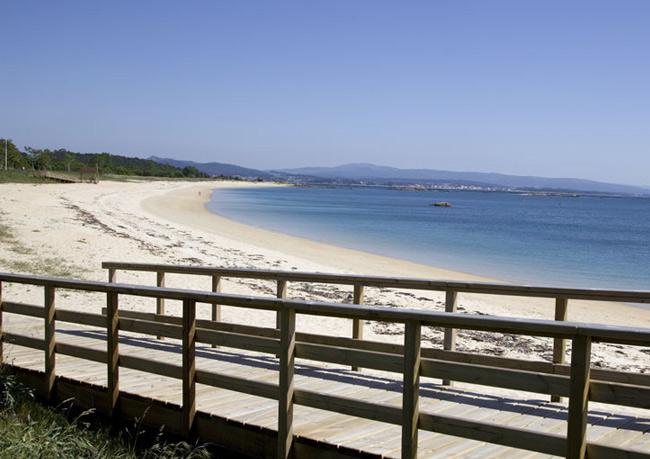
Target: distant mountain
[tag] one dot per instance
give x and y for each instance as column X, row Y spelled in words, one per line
column 216, row 169
column 383, row 174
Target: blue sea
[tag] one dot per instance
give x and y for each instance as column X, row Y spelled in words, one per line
column 587, row 242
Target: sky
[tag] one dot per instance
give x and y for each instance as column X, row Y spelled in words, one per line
column 549, row 88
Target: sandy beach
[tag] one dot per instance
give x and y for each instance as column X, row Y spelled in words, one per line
column 68, row 230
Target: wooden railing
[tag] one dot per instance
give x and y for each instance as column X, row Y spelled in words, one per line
column 451, row 290
column 578, row 381
column 57, row 176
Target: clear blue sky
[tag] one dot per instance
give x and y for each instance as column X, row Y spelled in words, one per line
column 550, row 88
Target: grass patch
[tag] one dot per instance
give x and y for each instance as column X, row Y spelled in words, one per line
column 44, row 266
column 48, row 267
column 20, row 177
column 29, row 429
column 5, row 233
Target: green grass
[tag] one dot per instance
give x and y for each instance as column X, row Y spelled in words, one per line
column 31, row 430
column 20, row 177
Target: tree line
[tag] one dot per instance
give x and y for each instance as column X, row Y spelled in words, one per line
column 103, row 163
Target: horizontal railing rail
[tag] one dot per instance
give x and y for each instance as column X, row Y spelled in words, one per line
column 409, row 359
column 642, row 296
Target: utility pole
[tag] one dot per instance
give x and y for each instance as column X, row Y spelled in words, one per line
column 5, row 154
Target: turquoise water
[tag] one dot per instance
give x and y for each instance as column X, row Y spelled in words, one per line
column 590, row 242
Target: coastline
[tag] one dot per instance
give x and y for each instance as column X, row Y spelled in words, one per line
column 78, row 226
column 188, row 204
column 191, row 204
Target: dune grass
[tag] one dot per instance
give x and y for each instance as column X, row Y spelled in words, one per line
column 29, row 429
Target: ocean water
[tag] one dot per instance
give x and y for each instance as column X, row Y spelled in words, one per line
column 587, row 242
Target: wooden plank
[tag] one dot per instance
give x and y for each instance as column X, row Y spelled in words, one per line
column 579, row 396
column 149, row 317
column 349, row 406
column 624, row 435
column 149, row 366
column 112, row 352
column 26, row 341
column 81, row 318
column 559, row 344
column 636, row 379
column 150, row 328
column 496, row 377
column 247, row 342
column 244, row 385
column 494, row 433
column 341, row 341
column 50, row 343
column 81, row 352
column 238, row 328
column 356, row 358
column 500, row 418
column 619, row 394
column 640, row 445
column 189, row 365
column 608, row 423
column 23, row 309
column 287, row 354
column 537, row 366
column 596, row 451
column 213, row 399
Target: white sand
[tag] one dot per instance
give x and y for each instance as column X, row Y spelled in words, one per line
column 70, row 229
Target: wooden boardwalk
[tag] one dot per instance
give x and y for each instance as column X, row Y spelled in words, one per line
column 326, row 427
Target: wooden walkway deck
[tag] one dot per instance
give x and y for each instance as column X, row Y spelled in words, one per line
column 325, row 427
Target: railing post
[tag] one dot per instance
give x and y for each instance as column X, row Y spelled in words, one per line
column 559, row 344
column 160, row 302
column 411, row 393
column 357, row 324
column 281, row 293
column 113, row 355
column 216, row 308
column 1, row 337
column 189, row 365
column 286, row 395
column 112, row 275
column 578, row 397
column 451, row 305
column 50, row 343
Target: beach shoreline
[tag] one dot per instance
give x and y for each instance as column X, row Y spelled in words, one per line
column 79, row 226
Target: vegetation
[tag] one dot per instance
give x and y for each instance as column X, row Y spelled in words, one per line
column 29, row 429
column 67, row 161
column 43, row 266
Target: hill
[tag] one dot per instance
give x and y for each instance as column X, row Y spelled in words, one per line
column 383, row 174
column 216, row 169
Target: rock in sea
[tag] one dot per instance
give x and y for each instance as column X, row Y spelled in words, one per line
column 440, row 204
